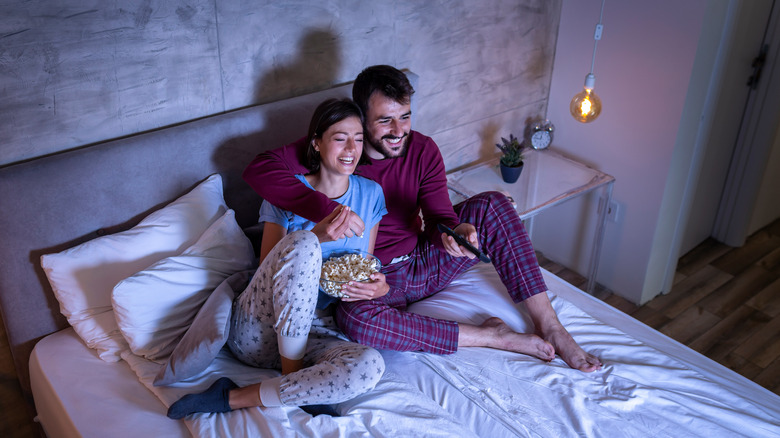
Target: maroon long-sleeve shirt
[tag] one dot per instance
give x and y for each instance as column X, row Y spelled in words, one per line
column 413, row 183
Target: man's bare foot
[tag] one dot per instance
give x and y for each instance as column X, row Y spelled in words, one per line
column 569, row 350
column 549, row 327
column 504, row 338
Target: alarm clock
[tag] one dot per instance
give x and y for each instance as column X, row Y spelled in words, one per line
column 540, row 134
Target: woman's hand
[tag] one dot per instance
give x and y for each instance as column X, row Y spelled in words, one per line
column 468, row 232
column 334, row 226
column 366, row 290
column 340, row 223
column 356, row 225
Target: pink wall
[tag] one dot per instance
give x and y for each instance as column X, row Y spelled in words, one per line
column 643, row 68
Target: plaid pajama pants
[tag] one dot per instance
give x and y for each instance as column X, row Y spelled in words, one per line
column 384, row 323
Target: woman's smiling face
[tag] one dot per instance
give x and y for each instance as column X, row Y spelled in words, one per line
column 341, row 146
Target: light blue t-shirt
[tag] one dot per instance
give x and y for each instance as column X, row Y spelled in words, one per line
column 364, row 197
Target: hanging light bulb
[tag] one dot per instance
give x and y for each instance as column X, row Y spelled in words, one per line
column 585, row 106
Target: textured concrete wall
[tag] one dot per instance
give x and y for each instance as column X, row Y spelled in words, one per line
column 83, row 71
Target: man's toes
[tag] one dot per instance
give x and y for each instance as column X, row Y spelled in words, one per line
column 547, row 352
column 589, row 364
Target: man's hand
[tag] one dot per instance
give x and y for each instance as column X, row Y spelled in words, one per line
column 468, row 232
column 366, row 290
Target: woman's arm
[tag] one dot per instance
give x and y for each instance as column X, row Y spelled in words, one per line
column 372, row 238
column 272, row 234
column 376, row 288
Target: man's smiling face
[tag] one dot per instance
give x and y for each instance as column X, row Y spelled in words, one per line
column 387, row 124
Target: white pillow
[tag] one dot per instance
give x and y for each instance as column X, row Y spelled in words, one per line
column 155, row 307
column 207, row 334
column 83, row 277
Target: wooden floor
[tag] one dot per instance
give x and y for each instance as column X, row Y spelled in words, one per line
column 725, row 303
column 15, row 418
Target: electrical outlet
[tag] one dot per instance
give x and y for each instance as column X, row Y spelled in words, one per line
column 613, row 211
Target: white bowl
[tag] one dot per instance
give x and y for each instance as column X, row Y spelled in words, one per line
column 333, row 287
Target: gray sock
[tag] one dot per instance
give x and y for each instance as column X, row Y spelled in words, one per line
column 214, row 399
column 315, row 410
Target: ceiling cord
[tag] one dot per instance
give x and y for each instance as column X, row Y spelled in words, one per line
column 597, row 36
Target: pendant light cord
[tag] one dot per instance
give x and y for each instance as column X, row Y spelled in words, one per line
column 597, row 36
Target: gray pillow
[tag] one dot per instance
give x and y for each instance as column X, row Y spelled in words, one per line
column 207, row 334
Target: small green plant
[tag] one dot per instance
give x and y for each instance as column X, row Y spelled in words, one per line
column 513, row 151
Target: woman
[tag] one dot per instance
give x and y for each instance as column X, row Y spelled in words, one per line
column 281, row 320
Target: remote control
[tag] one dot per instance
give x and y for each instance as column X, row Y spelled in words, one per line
column 464, row 243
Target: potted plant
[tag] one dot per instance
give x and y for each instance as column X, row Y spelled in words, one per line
column 512, row 161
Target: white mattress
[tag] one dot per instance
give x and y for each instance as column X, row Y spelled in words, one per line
column 650, row 385
column 79, row 395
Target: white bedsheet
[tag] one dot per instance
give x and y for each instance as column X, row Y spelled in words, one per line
column 649, row 386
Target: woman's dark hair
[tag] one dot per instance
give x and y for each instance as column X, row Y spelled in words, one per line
column 327, row 114
column 386, row 79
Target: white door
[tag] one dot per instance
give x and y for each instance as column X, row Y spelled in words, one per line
column 737, row 175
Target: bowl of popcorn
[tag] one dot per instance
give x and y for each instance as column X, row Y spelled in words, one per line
column 340, row 266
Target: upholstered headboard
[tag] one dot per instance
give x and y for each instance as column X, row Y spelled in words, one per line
column 53, row 203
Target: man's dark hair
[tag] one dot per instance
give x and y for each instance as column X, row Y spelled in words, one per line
column 327, row 114
column 386, row 79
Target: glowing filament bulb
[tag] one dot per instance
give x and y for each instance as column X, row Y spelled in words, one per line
column 586, row 105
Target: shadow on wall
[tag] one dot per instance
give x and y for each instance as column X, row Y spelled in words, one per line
column 313, row 68
column 487, row 144
column 490, row 132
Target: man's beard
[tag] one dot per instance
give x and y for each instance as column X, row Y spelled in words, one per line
column 382, row 148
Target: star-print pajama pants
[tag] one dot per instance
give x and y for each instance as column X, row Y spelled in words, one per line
column 277, row 312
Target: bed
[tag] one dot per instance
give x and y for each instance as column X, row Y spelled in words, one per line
column 122, row 215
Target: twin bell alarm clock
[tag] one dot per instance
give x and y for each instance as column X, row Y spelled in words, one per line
column 539, row 134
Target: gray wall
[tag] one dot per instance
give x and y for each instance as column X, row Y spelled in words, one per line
column 74, row 73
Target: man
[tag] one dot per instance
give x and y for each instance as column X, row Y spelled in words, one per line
column 417, row 264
